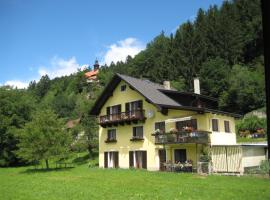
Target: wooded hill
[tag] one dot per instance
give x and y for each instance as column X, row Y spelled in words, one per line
column 222, row 46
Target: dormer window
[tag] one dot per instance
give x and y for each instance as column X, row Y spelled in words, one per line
column 123, row 88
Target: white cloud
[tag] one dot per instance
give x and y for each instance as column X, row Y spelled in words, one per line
column 17, row 84
column 120, row 50
column 60, row 67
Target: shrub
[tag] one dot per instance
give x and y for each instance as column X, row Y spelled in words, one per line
column 251, row 124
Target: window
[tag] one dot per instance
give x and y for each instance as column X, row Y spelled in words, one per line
column 138, row 159
column 135, row 105
column 123, row 88
column 180, row 155
column 188, row 124
column 138, row 132
column 160, row 126
column 111, row 159
column 227, row 126
column 114, row 109
column 214, row 124
column 113, row 112
column 111, row 135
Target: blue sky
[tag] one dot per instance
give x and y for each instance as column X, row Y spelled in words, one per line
column 56, row 37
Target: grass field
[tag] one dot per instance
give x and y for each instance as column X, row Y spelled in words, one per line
column 82, row 182
column 250, row 140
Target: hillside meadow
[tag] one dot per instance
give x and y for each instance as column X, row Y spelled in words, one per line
column 82, row 182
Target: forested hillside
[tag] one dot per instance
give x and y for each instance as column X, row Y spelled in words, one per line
column 222, row 46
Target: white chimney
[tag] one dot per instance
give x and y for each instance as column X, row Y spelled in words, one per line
column 167, row 85
column 197, row 86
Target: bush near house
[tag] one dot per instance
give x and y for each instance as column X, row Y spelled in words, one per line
column 251, row 127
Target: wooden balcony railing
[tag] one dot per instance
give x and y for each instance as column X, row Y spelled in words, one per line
column 200, row 137
column 121, row 118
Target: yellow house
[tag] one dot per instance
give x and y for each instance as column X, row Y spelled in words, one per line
column 146, row 125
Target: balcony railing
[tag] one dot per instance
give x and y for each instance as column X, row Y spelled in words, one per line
column 121, row 118
column 200, row 137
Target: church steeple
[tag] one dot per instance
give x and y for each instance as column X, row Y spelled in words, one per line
column 96, row 65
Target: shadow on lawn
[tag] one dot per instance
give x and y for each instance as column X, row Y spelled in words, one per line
column 44, row 170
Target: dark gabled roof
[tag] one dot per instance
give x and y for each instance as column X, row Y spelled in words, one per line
column 149, row 90
column 153, row 93
column 146, row 88
column 201, row 96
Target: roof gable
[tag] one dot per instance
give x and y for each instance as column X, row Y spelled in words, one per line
column 154, row 93
column 146, row 88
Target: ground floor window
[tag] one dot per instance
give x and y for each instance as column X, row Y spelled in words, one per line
column 180, row 155
column 111, row 159
column 138, row 159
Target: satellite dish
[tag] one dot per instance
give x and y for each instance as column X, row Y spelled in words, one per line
column 149, row 113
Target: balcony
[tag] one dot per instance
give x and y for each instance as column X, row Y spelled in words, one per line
column 181, row 137
column 121, row 118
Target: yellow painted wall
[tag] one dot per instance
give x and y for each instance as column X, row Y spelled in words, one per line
column 221, row 137
column 124, row 133
column 192, row 150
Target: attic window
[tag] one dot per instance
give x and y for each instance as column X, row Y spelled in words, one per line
column 123, row 88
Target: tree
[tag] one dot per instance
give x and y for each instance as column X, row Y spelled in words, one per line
column 90, row 128
column 42, row 86
column 43, row 138
column 15, row 109
column 214, row 77
column 245, row 92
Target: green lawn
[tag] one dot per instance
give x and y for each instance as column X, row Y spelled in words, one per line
column 250, row 140
column 82, row 182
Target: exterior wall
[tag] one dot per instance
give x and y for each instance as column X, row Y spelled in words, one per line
column 221, row 137
column 124, row 132
column 192, row 150
column 253, row 155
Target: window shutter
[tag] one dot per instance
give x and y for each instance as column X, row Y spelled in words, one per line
column 119, row 108
column 140, row 105
column 140, row 131
column 163, row 126
column 105, row 159
column 134, row 131
column 116, row 159
column 227, row 126
column 108, row 111
column 127, row 107
column 194, row 123
column 114, row 134
column 131, row 163
column 144, row 159
column 214, row 125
